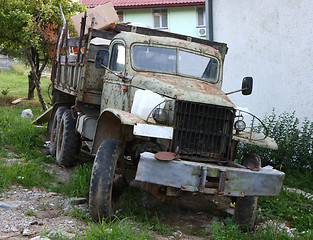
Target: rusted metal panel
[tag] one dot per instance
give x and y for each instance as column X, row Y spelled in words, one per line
column 187, row 176
column 182, row 88
column 254, row 138
column 125, row 117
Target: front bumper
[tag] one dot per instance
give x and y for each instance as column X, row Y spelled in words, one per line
column 209, row 178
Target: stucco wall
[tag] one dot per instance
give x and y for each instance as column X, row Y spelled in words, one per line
column 181, row 20
column 272, row 42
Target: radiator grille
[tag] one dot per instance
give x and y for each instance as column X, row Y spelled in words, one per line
column 203, row 132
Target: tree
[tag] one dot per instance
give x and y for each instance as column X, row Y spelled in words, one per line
column 33, row 25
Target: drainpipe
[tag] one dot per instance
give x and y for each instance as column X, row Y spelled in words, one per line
column 209, row 19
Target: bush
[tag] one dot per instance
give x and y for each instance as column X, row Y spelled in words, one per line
column 20, row 68
column 294, row 143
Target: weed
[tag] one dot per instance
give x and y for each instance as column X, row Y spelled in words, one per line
column 117, row 229
column 290, row 207
column 81, row 214
column 231, row 231
column 78, row 184
column 5, row 91
column 30, row 213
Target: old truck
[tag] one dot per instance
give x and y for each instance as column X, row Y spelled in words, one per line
column 152, row 101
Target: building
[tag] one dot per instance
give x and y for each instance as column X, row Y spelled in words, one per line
column 268, row 40
column 179, row 16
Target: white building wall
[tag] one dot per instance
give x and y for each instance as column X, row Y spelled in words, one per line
column 272, row 42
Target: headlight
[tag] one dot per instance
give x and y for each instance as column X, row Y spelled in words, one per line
column 240, row 125
column 160, row 115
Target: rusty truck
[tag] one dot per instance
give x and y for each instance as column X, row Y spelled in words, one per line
column 152, row 99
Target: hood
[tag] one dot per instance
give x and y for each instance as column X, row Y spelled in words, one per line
column 182, row 88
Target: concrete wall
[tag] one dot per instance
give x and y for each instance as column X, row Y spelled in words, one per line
column 5, row 62
column 272, row 42
column 181, row 20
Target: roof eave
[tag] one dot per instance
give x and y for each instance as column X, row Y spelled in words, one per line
column 158, row 6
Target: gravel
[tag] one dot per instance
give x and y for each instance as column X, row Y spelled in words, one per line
column 28, row 213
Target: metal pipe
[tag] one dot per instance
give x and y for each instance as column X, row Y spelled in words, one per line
column 209, row 19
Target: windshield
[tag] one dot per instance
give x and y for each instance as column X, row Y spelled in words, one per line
column 163, row 59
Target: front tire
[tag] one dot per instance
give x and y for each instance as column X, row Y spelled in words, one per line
column 246, row 207
column 245, row 211
column 107, row 179
column 68, row 143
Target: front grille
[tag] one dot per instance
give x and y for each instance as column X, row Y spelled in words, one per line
column 203, row 132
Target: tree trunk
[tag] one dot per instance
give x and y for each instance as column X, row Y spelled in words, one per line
column 31, row 85
column 40, row 95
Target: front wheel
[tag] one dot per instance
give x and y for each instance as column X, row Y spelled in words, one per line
column 246, row 207
column 107, row 179
column 245, row 210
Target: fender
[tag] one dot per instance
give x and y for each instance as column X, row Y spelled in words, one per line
column 256, row 139
column 114, row 124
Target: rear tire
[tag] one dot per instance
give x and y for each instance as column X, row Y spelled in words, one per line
column 55, row 130
column 107, row 180
column 69, row 142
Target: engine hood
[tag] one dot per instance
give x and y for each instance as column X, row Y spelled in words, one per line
column 181, row 88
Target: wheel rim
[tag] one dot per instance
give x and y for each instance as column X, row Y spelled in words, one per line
column 53, row 132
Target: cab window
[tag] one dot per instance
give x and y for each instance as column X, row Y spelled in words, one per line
column 118, row 58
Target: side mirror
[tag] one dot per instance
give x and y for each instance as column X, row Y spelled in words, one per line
column 246, row 86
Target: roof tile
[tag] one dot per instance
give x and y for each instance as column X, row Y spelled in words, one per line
column 127, row 4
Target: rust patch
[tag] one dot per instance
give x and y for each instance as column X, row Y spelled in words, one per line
column 166, row 156
column 183, row 88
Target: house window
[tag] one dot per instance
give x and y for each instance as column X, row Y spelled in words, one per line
column 200, row 16
column 160, row 18
column 120, row 16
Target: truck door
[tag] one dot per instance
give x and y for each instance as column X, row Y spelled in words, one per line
column 114, row 92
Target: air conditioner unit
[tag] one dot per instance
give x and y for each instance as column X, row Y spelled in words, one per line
column 202, row 32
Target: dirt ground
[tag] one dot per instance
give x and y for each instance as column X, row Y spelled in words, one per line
column 27, row 213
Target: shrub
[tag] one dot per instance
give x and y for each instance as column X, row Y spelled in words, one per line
column 294, row 143
column 20, row 68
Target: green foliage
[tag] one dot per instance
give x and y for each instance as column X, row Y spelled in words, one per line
column 19, row 133
column 28, row 174
column 22, row 138
column 24, row 22
column 232, row 231
column 117, row 229
column 78, row 184
column 295, row 143
column 17, row 84
column 5, row 91
column 131, row 207
column 290, row 207
column 30, row 213
column 33, row 26
column 20, row 68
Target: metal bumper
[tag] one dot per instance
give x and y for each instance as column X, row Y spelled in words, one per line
column 209, row 178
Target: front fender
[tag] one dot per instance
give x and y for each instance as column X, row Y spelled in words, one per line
column 114, row 124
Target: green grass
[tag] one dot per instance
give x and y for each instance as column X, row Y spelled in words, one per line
column 117, row 229
column 290, row 207
column 16, row 86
